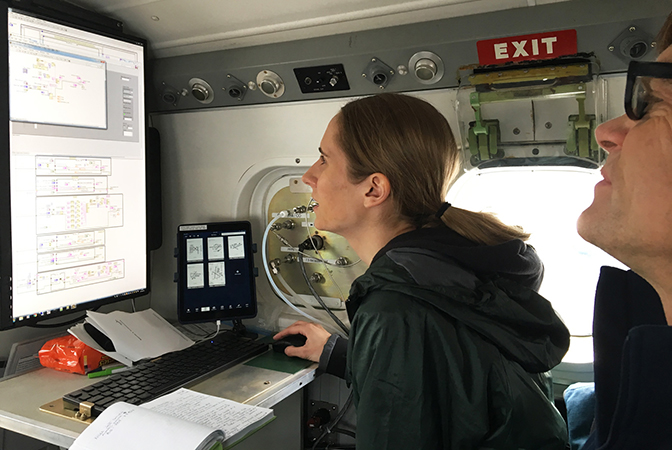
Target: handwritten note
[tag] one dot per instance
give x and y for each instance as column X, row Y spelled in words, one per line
column 127, row 426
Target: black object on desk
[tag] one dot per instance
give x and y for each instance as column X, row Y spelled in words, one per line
column 293, row 340
column 160, row 376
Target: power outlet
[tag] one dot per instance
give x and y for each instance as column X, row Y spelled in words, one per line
column 318, row 414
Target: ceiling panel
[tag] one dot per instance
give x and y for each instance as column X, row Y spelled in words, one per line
column 185, row 27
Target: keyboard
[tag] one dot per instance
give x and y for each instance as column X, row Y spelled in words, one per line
column 151, row 379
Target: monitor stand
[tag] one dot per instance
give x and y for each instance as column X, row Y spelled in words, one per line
column 240, row 329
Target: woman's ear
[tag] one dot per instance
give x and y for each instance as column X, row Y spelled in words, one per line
column 378, row 189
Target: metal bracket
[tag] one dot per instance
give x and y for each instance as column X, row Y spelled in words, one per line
column 484, row 135
column 581, row 137
column 85, row 411
column 59, row 408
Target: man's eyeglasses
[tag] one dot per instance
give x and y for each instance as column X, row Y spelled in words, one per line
column 638, row 94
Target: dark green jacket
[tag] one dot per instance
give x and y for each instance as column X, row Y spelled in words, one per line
column 442, row 356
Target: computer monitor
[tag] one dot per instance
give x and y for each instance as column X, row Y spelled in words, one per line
column 73, row 226
column 215, row 272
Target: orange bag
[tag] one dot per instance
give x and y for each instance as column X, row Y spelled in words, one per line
column 69, row 354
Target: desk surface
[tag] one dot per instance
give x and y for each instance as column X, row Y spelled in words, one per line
column 22, row 396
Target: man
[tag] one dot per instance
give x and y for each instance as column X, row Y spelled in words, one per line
column 631, row 219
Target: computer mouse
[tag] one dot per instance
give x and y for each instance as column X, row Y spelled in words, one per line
column 295, row 340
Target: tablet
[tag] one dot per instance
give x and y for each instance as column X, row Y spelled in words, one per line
column 215, row 272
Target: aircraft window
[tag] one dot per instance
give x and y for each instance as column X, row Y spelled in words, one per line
column 547, row 201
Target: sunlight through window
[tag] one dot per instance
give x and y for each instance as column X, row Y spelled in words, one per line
column 547, row 203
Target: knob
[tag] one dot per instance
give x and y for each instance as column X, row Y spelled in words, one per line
column 269, row 87
column 425, row 69
column 270, row 84
column 201, row 90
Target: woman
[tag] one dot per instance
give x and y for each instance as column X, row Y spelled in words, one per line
column 449, row 341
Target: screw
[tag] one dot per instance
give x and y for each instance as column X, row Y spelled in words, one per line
column 267, row 382
column 516, row 131
column 373, row 59
column 364, row 75
column 611, row 48
column 632, row 29
column 580, row 87
column 499, row 74
column 297, row 160
column 548, row 125
column 653, row 44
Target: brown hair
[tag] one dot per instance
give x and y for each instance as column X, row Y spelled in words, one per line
column 664, row 38
column 411, row 143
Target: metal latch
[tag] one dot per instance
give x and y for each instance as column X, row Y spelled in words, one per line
column 85, row 411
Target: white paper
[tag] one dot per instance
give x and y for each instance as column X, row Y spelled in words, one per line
column 124, row 426
column 80, row 333
column 214, row 412
column 139, row 335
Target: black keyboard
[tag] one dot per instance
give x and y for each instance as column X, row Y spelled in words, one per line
column 162, row 375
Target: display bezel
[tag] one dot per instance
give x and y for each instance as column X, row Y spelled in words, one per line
column 7, row 320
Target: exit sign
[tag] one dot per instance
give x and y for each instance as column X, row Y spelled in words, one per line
column 527, row 47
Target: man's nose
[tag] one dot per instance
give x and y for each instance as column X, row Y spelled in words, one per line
column 610, row 135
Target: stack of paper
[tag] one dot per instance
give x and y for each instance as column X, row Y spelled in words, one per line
column 131, row 337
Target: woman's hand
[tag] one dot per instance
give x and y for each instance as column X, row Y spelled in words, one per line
column 316, row 337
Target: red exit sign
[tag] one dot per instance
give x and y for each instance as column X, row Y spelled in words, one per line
column 528, row 47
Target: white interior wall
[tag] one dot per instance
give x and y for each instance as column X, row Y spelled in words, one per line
column 211, row 160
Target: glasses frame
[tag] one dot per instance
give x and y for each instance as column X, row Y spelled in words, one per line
column 643, row 69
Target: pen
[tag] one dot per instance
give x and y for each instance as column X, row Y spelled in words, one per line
column 109, row 371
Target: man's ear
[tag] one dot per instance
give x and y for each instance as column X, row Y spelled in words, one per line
column 378, row 189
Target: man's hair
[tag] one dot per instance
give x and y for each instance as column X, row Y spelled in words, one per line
column 664, row 38
column 410, row 142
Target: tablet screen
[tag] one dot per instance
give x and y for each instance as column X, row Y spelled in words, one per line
column 215, row 272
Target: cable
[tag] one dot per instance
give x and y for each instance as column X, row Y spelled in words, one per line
column 319, row 299
column 219, row 323
column 342, row 431
column 265, row 260
column 328, row 428
column 322, row 259
column 328, row 326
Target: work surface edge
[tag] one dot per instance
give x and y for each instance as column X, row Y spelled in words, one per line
column 22, row 396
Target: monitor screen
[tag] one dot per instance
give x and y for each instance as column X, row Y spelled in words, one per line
column 73, row 231
column 215, row 272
